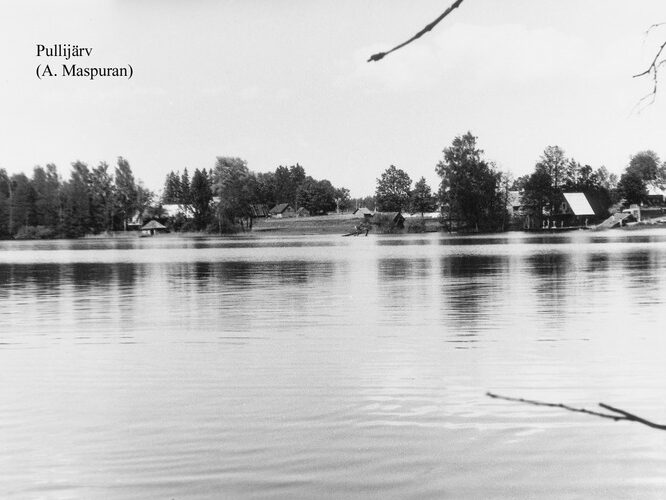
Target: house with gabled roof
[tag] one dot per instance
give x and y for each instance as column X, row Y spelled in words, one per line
column 577, row 204
column 282, row 210
column 574, row 209
column 363, row 212
column 259, row 210
column 153, row 227
column 396, row 219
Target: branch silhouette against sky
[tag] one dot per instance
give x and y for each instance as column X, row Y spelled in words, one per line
column 380, row 55
column 652, row 70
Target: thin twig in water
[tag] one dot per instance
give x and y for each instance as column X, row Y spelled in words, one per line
column 634, row 418
column 381, row 55
column 555, row 405
column 620, row 414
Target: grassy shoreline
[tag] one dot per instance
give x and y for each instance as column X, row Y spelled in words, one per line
column 294, row 226
column 326, row 224
column 336, row 224
column 322, row 224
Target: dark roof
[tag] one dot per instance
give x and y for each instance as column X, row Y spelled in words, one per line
column 278, row 209
column 363, row 211
column 259, row 210
column 153, row 224
column 392, row 215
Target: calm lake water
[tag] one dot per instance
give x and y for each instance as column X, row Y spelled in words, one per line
column 329, row 367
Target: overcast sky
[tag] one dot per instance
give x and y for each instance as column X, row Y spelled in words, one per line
column 280, row 82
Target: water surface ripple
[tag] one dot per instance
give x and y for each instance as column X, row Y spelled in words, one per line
column 328, row 367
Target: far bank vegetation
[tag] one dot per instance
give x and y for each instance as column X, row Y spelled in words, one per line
column 473, row 196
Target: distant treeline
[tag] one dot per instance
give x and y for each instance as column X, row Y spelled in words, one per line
column 100, row 199
column 90, row 201
column 473, row 193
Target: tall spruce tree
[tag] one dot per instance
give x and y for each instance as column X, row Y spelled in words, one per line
column 77, row 196
column 126, row 192
column 422, row 199
column 102, row 198
column 201, row 196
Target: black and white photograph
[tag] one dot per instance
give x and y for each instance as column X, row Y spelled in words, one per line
column 332, row 249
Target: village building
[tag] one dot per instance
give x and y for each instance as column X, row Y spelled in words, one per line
column 259, row 210
column 656, row 196
column 135, row 222
column 578, row 205
column 303, row 212
column 394, row 218
column 576, row 209
column 282, row 210
column 363, row 212
column 520, row 216
column 647, row 213
column 513, row 203
column 153, row 227
column 573, row 210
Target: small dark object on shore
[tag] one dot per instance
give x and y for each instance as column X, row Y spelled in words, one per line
column 359, row 229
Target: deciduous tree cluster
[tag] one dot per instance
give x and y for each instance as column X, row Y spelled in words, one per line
column 240, row 191
column 471, row 191
column 394, row 193
column 474, row 195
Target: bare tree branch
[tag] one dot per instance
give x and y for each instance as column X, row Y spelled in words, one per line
column 381, row 55
column 656, row 25
column 634, row 418
column 652, row 69
column 619, row 414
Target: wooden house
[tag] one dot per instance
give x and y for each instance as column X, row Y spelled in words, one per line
column 259, row 210
column 152, row 227
column 363, row 212
column 576, row 209
column 396, row 219
column 282, row 210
